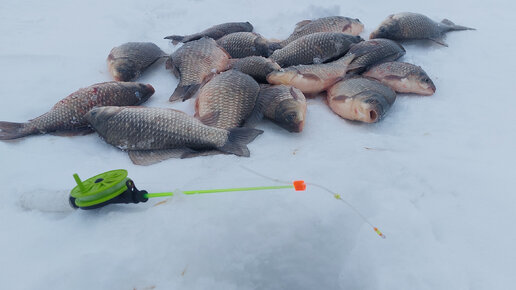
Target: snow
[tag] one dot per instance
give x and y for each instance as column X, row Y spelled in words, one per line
column 436, row 176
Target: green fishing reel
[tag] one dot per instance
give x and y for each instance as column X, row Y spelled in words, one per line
column 106, row 188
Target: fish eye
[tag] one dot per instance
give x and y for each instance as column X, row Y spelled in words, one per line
column 382, row 29
column 426, row 80
column 290, row 117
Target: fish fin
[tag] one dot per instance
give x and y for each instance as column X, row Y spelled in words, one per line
column 302, row 23
column 295, row 95
column 169, row 64
column 257, row 113
column 438, row 40
column 175, row 39
column 340, row 98
column 184, row 92
column 209, row 119
column 238, row 139
column 149, row 157
column 450, row 26
column 76, row 132
column 311, row 76
column 208, row 152
column 10, row 130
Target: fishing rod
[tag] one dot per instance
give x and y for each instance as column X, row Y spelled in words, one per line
column 115, row 187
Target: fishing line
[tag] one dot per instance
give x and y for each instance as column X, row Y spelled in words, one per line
column 334, row 194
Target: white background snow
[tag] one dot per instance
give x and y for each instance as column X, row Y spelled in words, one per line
column 436, row 175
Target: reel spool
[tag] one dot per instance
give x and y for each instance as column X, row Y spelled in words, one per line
column 106, row 188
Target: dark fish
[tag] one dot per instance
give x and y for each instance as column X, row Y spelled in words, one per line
column 193, row 63
column 403, row 77
column 326, row 24
column 128, row 61
column 227, row 100
column 257, row 67
column 285, row 106
column 374, row 51
column 67, row 116
column 314, row 78
column 407, row 25
column 243, row 44
column 314, row 48
column 214, row 32
column 360, row 99
column 155, row 134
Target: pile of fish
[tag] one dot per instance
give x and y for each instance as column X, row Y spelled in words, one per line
column 237, row 77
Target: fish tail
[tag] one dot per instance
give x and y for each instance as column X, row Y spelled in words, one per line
column 450, row 26
column 184, row 92
column 9, row 130
column 176, row 39
column 238, row 139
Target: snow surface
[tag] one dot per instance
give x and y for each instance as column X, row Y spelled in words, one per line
column 436, row 175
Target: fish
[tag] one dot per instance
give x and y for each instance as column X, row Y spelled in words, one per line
column 408, row 25
column 151, row 135
column 129, row 60
column 227, row 100
column 67, row 116
column 326, row 24
column 314, row 78
column 285, row 106
column 258, row 67
column 243, row 44
column 360, row 99
column 215, row 32
column 403, row 77
column 193, row 63
column 314, row 48
column 374, row 51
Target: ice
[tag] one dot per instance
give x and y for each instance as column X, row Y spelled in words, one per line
column 436, row 176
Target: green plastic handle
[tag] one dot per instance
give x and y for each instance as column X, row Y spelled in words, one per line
column 189, row 192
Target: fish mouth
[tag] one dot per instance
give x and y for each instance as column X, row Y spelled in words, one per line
column 300, row 126
column 150, row 89
column 373, row 116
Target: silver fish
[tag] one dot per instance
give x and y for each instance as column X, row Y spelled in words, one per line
column 129, row 60
column 374, row 51
column 193, row 63
column 151, row 135
column 227, row 100
column 67, row 116
column 215, row 32
column 407, row 25
column 314, row 48
column 243, row 44
column 403, row 77
column 285, row 106
column 326, row 24
column 257, row 67
column 314, row 78
column 360, row 99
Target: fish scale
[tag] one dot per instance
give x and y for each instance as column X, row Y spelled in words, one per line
column 314, row 48
column 257, row 67
column 325, row 24
column 127, row 61
column 68, row 114
column 194, row 61
column 362, row 99
column 227, row 100
column 156, row 128
column 243, row 44
column 151, row 135
column 374, row 51
column 407, row 25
